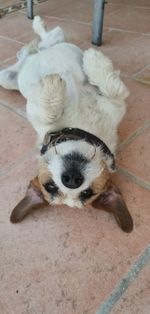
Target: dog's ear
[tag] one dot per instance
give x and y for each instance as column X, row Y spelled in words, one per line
column 33, row 200
column 112, row 200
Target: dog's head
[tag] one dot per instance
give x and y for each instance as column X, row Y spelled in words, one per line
column 75, row 173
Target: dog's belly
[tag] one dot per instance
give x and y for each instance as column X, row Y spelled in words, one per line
column 64, row 59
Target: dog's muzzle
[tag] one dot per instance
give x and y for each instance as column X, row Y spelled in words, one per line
column 75, row 134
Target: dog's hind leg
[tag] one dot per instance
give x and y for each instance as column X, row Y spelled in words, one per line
column 50, row 38
column 8, row 79
column 46, row 103
column 39, row 27
column 9, row 76
column 100, row 72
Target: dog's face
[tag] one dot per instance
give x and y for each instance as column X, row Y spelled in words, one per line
column 75, row 174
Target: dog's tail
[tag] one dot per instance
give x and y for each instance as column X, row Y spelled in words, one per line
column 100, row 72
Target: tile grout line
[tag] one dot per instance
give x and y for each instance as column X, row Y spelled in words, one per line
column 7, row 60
column 133, row 136
column 68, row 19
column 141, row 81
column 61, row 18
column 132, row 177
column 90, row 23
column 131, row 6
column 18, row 111
column 11, row 39
column 125, row 283
column 109, row 4
column 140, row 71
column 21, row 37
column 126, row 31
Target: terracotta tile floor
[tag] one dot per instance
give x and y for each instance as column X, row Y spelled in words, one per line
column 69, row 260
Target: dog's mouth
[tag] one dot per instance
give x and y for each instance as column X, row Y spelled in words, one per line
column 75, row 134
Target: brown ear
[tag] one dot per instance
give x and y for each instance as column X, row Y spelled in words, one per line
column 112, row 200
column 32, row 200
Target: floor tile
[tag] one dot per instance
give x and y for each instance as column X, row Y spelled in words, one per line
column 7, row 3
column 138, row 109
column 144, row 76
column 135, row 157
column 17, row 137
column 72, row 10
column 16, row 181
column 8, row 49
column 136, row 299
column 10, row 98
column 129, row 18
column 57, row 268
column 142, row 3
column 15, row 24
column 129, row 52
column 110, row 9
column 8, row 62
column 13, row 99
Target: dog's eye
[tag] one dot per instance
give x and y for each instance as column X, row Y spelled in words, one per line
column 51, row 187
column 86, row 194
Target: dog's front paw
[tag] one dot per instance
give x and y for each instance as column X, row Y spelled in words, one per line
column 94, row 60
column 55, row 84
column 53, row 90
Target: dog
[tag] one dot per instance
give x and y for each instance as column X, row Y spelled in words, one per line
column 75, row 102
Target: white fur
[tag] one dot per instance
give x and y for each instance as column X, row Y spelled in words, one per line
column 66, row 87
column 55, row 165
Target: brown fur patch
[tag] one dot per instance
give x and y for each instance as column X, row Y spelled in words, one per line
column 98, row 185
column 44, row 176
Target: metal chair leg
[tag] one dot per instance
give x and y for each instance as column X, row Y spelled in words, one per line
column 98, row 22
column 30, row 9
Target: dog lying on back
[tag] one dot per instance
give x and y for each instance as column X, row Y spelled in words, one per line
column 75, row 102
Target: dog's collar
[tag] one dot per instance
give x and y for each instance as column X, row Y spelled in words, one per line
column 67, row 134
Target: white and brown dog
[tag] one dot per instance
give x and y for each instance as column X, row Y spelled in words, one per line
column 75, row 101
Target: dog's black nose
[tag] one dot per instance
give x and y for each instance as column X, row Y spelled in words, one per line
column 72, row 180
